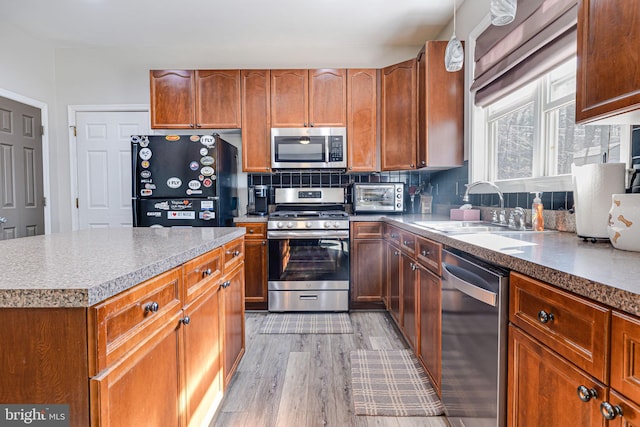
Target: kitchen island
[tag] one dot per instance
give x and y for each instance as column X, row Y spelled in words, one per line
column 128, row 326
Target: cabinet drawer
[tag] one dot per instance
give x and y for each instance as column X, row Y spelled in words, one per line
column 120, row 323
column 200, row 273
column 233, row 253
column 625, row 355
column 255, row 230
column 393, row 234
column 429, row 254
column 573, row 326
column 366, row 230
column 408, row 243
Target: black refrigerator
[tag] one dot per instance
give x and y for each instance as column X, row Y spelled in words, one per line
column 183, row 181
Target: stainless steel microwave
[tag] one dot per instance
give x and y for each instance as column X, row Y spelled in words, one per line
column 309, row 148
column 378, row 197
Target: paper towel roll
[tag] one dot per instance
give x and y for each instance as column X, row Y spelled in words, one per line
column 593, row 186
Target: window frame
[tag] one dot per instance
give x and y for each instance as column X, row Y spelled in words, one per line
column 481, row 158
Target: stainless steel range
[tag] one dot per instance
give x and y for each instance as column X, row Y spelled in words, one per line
column 308, row 237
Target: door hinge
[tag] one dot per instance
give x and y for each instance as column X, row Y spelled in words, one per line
column 41, row 130
column 75, row 130
column 44, row 201
column 77, row 204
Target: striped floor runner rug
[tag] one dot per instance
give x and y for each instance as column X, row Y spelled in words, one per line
column 391, row 383
column 307, row 323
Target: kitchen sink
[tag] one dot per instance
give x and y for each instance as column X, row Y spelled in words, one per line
column 458, row 227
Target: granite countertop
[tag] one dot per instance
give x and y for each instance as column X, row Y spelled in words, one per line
column 594, row 270
column 82, row 268
column 251, row 218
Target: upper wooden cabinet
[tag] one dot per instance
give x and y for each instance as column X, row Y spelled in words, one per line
column 172, row 99
column 398, row 116
column 256, row 120
column 440, row 110
column 301, row 98
column 202, row 99
column 608, row 73
column 362, row 120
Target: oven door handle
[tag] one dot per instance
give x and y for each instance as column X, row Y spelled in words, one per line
column 474, row 291
column 309, row 234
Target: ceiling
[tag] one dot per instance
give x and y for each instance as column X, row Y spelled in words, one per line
column 238, row 24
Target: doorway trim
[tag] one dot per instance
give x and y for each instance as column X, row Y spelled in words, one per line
column 44, row 121
column 73, row 145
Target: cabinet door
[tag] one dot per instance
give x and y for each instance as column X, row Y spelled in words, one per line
column 202, row 356
column 608, row 61
column 142, row 389
column 543, row 388
column 256, row 120
column 255, row 263
column 328, row 97
column 430, row 324
column 440, row 109
column 362, row 116
column 625, row 358
column 393, row 280
column 408, row 299
column 398, row 121
column 367, row 270
column 218, row 99
column 172, row 99
column 630, row 411
column 289, row 98
column 233, row 320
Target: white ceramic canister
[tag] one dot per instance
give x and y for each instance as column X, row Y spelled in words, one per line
column 624, row 221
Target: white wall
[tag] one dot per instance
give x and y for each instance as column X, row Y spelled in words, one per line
column 27, row 69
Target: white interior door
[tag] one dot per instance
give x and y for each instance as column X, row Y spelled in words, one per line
column 104, row 166
column 21, row 170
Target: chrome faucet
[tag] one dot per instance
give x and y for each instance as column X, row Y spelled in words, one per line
column 502, row 214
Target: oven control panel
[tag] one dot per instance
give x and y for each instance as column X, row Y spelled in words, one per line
column 314, row 224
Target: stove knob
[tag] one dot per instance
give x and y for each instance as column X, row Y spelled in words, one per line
column 336, row 224
column 308, row 224
column 290, row 224
column 280, row 224
column 327, row 224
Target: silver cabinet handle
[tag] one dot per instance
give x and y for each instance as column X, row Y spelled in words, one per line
column 3, row 220
column 152, row 307
column 425, row 253
column 206, row 272
column 185, row 320
column 545, row 317
column 586, row 394
column 476, row 292
column 610, row 412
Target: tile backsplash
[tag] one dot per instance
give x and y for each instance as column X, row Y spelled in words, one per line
column 448, row 186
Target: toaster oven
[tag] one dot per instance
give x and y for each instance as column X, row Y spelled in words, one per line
column 378, row 197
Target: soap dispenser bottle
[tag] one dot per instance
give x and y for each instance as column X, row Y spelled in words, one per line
column 537, row 220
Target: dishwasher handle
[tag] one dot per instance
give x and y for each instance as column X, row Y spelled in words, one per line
column 476, row 292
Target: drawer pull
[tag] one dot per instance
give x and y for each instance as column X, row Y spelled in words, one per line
column 251, row 231
column 308, row 297
column 610, row 412
column 394, row 236
column 185, row 320
column 425, row 253
column 234, row 253
column 206, row 272
column 226, row 284
column 586, row 394
column 407, row 243
column 396, row 253
column 545, row 317
column 152, row 307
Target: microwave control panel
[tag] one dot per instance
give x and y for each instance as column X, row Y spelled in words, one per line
column 336, row 151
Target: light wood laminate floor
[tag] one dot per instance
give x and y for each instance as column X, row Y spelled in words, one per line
column 296, row 380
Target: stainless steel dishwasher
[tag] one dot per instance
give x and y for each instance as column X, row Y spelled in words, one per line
column 474, row 340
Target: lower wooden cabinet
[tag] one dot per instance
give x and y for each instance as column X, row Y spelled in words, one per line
column 367, row 255
column 408, row 316
column 393, row 281
column 233, row 320
column 144, row 387
column 202, row 356
column 429, row 349
column 543, row 388
column 256, row 263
